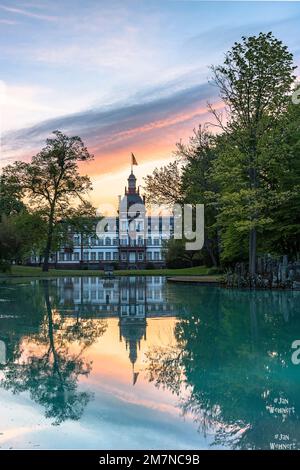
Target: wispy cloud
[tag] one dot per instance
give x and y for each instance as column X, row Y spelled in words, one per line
column 28, row 13
column 115, row 127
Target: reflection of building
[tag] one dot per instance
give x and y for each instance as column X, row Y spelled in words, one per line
column 132, row 299
column 126, row 297
column 130, row 241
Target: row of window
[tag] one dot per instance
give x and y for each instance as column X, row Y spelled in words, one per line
column 107, row 256
column 108, row 241
column 157, row 280
column 139, row 226
column 111, row 296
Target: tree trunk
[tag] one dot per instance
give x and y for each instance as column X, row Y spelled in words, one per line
column 252, row 251
column 210, row 251
column 253, row 186
column 49, row 242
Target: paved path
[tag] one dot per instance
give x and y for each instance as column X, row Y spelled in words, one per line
column 194, row 279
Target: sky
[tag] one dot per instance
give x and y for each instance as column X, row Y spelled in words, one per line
column 126, row 76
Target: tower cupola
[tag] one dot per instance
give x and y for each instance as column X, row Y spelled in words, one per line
column 131, row 184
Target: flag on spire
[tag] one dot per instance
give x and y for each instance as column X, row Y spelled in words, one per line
column 133, row 160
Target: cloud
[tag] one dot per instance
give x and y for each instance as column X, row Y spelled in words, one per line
column 112, row 127
column 27, row 13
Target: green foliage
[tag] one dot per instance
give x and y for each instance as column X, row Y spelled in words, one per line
column 21, row 235
column 255, row 85
column 177, row 256
column 51, row 182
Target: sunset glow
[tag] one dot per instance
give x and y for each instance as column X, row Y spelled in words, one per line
column 124, row 76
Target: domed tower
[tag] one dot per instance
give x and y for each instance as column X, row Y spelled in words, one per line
column 132, row 227
column 131, row 196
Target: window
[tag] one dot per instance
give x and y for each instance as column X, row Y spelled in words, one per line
column 149, row 241
column 86, row 256
column 149, row 256
column 156, row 241
column 93, row 256
column 107, row 241
column 100, row 255
column 141, row 256
column 100, row 241
column 76, row 256
column 124, row 256
column 115, row 241
column 116, row 257
column 108, row 256
column 76, row 240
column 61, row 256
column 156, row 255
column 140, row 241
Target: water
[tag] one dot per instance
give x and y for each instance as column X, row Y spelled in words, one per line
column 137, row 363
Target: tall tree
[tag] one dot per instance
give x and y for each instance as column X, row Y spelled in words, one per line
column 198, row 187
column 255, row 83
column 164, row 185
column 51, row 181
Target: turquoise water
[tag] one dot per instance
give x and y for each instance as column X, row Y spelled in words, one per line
column 137, row 363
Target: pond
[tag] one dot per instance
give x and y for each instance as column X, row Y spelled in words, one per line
column 137, row 363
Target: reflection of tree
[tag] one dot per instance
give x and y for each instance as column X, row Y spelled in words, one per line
column 50, row 371
column 20, row 314
column 232, row 366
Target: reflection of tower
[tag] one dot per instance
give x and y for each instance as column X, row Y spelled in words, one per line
column 132, row 316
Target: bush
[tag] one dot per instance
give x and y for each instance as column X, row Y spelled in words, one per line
column 5, row 266
column 150, row 265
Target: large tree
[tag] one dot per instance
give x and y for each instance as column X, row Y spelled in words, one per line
column 254, row 83
column 51, row 181
column 187, row 180
column 164, row 185
column 199, row 188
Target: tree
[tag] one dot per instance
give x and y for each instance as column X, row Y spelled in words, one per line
column 164, row 185
column 10, row 198
column 177, row 256
column 198, row 187
column 255, row 83
column 188, row 180
column 82, row 221
column 21, row 234
column 283, row 236
column 51, row 181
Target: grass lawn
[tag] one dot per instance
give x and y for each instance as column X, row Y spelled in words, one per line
column 29, row 271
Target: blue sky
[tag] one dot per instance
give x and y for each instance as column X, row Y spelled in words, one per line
column 125, row 75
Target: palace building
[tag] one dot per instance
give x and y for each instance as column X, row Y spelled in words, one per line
column 132, row 240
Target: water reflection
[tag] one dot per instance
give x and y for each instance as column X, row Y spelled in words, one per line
column 233, row 355
column 225, row 363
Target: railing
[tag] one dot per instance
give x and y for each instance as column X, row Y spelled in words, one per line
column 132, row 244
